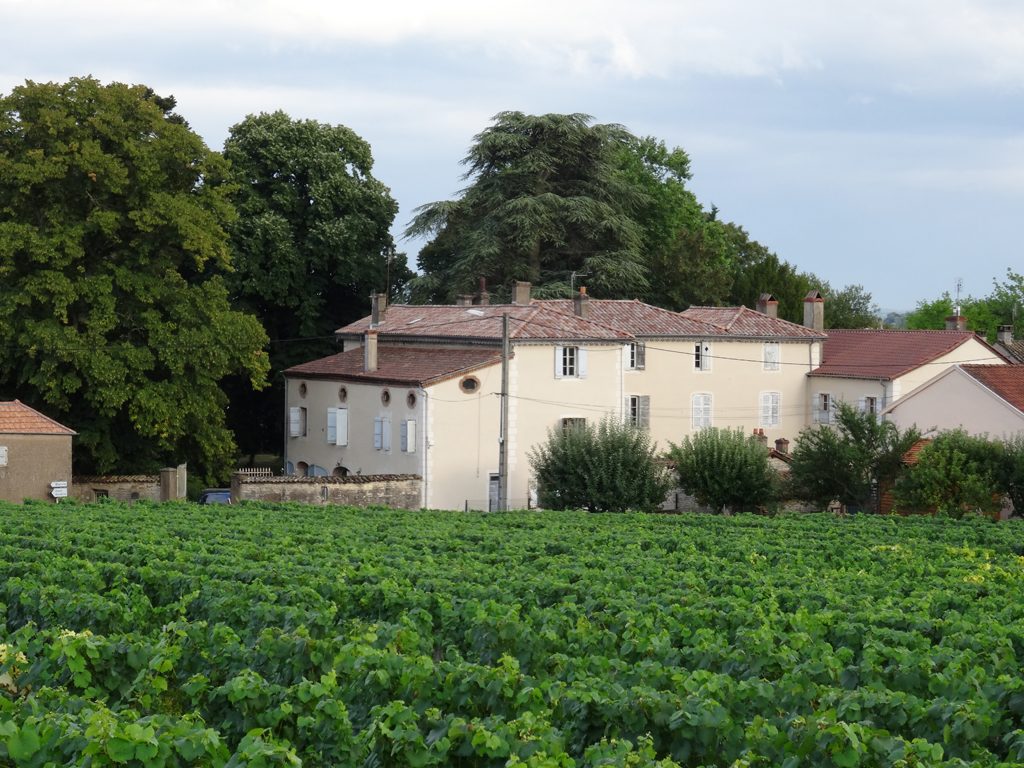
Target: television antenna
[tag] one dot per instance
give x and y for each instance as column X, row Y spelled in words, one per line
column 959, row 287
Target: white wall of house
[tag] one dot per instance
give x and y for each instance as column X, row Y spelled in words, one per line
column 956, row 400
column 857, row 391
column 739, row 385
column 374, row 429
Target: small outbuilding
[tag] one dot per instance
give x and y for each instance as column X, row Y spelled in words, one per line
column 35, row 454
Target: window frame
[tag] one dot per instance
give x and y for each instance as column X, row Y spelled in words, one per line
column 770, row 402
column 702, row 356
column 767, row 363
column 703, row 420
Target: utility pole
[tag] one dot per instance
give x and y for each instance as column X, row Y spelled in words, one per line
column 503, row 429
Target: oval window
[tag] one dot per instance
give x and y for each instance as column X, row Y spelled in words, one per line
column 469, row 384
column 302, row 389
column 385, row 397
column 342, row 394
column 410, row 399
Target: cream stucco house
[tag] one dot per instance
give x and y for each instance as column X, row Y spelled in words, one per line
column 982, row 399
column 873, row 368
column 417, row 388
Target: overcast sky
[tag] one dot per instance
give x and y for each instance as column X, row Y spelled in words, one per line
column 878, row 142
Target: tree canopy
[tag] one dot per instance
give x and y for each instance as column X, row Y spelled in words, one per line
column 114, row 316
column 547, row 197
column 1003, row 305
column 311, row 242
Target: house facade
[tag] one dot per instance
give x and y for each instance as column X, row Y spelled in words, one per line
column 871, row 369
column 35, row 453
column 984, row 400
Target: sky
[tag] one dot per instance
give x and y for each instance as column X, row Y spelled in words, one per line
column 877, row 142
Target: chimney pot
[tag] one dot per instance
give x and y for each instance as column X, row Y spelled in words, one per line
column 782, row 445
column 1005, row 334
column 370, row 351
column 581, row 304
column 956, row 323
column 521, row 292
column 767, row 304
column 482, row 298
column 378, row 308
column 814, row 311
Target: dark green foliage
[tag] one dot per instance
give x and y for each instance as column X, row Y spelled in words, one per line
column 844, row 461
column 1004, row 305
column 311, row 243
column 114, row 316
column 607, row 467
column 265, row 634
column 546, row 197
column 956, row 473
column 725, row 468
column 1011, row 473
column 851, row 307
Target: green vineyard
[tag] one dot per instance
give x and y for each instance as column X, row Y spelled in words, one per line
column 258, row 635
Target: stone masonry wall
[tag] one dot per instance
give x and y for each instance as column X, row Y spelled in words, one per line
column 397, row 491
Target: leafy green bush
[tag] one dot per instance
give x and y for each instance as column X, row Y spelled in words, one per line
column 725, row 468
column 1011, row 473
column 608, row 467
column 955, row 474
column 842, row 461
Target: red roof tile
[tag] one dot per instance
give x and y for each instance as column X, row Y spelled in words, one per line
column 483, row 323
column 635, row 317
column 399, row 365
column 913, row 454
column 747, row 323
column 1007, row 381
column 16, row 418
column 886, row 354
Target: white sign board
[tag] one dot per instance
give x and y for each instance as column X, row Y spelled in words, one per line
column 59, row 493
column 59, row 484
column 3, row 455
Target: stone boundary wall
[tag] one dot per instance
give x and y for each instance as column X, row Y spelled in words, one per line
column 119, row 487
column 397, row 491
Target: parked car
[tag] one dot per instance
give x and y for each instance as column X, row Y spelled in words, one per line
column 215, row 496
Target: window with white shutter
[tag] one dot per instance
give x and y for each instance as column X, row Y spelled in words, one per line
column 296, row 421
column 636, row 356
column 638, row 411
column 771, row 356
column 570, row 363
column 700, row 410
column 407, row 435
column 823, row 408
column 702, row 356
column 337, row 426
column 771, row 409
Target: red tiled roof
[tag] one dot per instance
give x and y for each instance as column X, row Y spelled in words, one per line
column 745, row 323
column 18, row 419
column 483, row 323
column 913, row 453
column 400, row 365
column 635, row 317
column 1007, row 381
column 886, row 354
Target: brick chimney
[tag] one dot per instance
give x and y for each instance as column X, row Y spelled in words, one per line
column 782, row 446
column 762, row 438
column 370, row 351
column 378, row 308
column 768, row 305
column 814, row 311
column 521, row 292
column 956, row 323
column 483, row 298
column 1005, row 335
column 464, row 300
column 581, row 303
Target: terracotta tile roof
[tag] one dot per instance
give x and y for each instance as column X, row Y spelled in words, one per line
column 886, row 354
column 1007, row 381
column 636, row 317
column 744, row 322
column 1013, row 351
column 913, row 453
column 16, row 418
column 398, row 365
column 483, row 323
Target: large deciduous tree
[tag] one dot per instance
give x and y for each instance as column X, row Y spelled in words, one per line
column 311, row 243
column 113, row 315
column 547, row 197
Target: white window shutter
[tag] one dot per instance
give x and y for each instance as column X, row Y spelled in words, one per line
column 332, row 426
column 386, row 437
column 409, row 436
column 378, row 433
column 341, row 429
column 558, row 362
column 645, row 411
column 581, row 362
column 403, row 435
column 294, row 421
column 641, row 355
column 862, row 405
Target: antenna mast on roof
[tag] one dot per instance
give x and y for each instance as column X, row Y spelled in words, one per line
column 959, row 287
